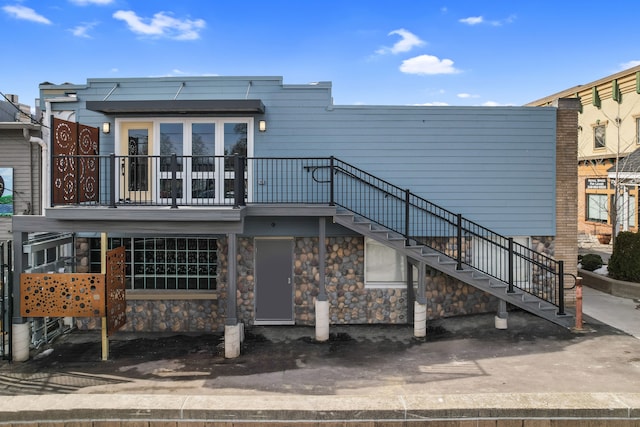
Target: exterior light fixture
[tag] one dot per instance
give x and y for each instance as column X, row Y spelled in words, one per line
column 262, row 125
column 106, row 127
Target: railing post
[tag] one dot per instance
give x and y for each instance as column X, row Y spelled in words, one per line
column 407, row 206
column 459, row 242
column 174, row 181
column 112, row 182
column 331, row 189
column 510, row 274
column 561, row 288
column 579, row 303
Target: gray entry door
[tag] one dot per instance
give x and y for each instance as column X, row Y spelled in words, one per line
column 274, row 281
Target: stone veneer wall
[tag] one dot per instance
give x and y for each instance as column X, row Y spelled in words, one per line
column 350, row 301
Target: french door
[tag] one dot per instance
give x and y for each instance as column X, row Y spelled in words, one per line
column 204, row 164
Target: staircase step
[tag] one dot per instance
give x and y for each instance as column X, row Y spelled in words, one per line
column 439, row 261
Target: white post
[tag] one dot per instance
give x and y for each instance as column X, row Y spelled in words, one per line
column 419, row 320
column 501, row 317
column 322, row 320
column 232, row 341
column 21, row 339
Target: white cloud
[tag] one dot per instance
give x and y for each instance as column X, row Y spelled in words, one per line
column 476, row 20
column 629, row 64
column 472, row 20
column 162, row 25
column 495, row 104
column 432, row 104
column 407, row 41
column 467, row 95
column 428, row 64
column 88, row 2
column 26, row 13
column 83, row 30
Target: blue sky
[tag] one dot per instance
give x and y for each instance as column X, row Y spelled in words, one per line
column 400, row 52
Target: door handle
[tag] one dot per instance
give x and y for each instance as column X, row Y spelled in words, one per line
column 122, row 167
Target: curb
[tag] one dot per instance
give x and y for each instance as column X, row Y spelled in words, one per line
column 270, row 408
column 618, row 288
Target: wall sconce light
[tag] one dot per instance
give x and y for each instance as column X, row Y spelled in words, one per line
column 262, row 125
column 106, row 127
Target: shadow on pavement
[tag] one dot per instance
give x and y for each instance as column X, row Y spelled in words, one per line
column 458, row 353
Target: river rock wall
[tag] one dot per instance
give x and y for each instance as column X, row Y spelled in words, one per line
column 351, row 301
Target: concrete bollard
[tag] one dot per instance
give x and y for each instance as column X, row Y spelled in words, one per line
column 419, row 320
column 232, row 341
column 21, row 341
column 322, row 320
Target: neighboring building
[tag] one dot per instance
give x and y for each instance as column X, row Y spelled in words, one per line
column 608, row 141
column 220, row 189
column 20, row 187
column 20, row 163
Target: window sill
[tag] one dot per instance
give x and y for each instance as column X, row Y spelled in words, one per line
column 385, row 285
column 179, row 294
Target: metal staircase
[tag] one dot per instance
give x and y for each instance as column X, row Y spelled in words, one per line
column 447, row 265
column 449, row 243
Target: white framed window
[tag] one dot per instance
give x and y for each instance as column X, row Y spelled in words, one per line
column 597, row 207
column 384, row 266
column 203, row 174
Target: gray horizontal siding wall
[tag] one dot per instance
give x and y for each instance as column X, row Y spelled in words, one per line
column 24, row 158
column 495, row 165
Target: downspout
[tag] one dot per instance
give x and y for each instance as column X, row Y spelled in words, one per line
column 43, row 179
column 27, row 138
column 44, row 149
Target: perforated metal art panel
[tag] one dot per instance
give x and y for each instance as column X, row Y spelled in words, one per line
column 116, row 302
column 62, row 294
column 75, row 163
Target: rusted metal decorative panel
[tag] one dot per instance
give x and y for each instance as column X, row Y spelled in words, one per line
column 62, row 294
column 116, row 302
column 88, row 167
column 75, row 177
column 64, row 146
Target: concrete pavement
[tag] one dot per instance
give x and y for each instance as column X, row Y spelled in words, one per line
column 465, row 373
column 465, row 370
column 621, row 313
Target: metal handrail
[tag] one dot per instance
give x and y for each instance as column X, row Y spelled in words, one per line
column 297, row 180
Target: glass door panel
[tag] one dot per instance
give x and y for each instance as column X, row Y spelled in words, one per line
column 203, row 182
column 136, row 143
column 171, row 142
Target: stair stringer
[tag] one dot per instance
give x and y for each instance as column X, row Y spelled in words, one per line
column 447, row 265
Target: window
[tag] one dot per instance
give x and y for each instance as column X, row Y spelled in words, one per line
column 637, row 130
column 384, row 266
column 166, row 263
column 203, row 174
column 597, row 207
column 599, row 133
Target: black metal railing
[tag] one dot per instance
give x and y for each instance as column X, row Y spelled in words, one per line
column 236, row 181
column 424, row 223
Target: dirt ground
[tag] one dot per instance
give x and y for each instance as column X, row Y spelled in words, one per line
column 459, row 355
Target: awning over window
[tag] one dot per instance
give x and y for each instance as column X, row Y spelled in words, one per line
column 166, row 107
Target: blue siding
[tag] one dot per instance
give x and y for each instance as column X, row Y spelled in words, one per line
column 495, row 165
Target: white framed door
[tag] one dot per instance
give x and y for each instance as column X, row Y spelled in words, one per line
column 205, row 175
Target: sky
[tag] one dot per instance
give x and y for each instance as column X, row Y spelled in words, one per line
column 398, row 52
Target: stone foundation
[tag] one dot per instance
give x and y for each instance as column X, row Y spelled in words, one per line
column 350, row 301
